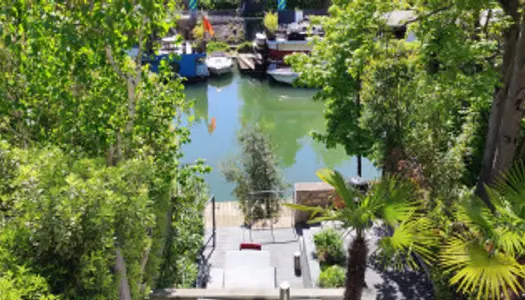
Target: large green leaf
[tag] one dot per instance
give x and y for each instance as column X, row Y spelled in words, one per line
column 509, row 190
column 394, row 200
column 478, row 271
column 414, row 237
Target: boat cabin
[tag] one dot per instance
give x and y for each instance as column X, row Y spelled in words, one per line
column 182, row 58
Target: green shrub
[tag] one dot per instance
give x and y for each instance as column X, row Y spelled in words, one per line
column 332, row 277
column 329, row 245
column 198, row 31
column 245, row 47
column 271, row 22
column 217, row 47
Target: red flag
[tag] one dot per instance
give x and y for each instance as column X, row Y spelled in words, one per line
column 207, row 25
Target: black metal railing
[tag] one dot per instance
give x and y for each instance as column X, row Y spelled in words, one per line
column 203, row 273
column 213, row 236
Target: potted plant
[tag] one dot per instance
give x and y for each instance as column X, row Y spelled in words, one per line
column 271, row 24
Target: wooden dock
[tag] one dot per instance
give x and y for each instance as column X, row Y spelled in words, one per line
column 249, row 62
column 228, row 214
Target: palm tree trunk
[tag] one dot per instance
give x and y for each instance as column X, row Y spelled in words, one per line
column 356, row 267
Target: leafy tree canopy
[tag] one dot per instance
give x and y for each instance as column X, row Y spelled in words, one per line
column 94, row 201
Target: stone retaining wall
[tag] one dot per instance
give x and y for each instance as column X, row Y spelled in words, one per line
column 311, row 194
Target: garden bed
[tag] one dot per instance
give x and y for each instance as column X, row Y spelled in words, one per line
column 382, row 283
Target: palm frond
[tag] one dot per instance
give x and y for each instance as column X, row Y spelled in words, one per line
column 395, row 200
column 336, row 180
column 511, row 186
column 509, row 241
column 320, row 219
column 299, row 207
column 318, row 214
column 414, row 237
column 359, row 218
column 480, row 271
column 476, row 216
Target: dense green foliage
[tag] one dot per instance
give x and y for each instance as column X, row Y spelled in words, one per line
column 329, row 247
column 65, row 226
column 217, row 47
column 259, row 183
column 440, row 110
column 332, row 277
column 422, row 102
column 484, row 256
column 246, row 47
column 93, row 200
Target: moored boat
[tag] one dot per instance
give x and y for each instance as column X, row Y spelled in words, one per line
column 291, row 38
column 183, row 59
column 283, row 75
column 219, row 63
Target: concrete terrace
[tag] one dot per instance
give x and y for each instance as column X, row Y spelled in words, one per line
column 286, row 240
column 282, row 246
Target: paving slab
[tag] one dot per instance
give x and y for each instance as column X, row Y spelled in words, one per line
column 281, row 245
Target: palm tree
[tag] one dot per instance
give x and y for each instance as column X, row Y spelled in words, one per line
column 485, row 250
column 391, row 202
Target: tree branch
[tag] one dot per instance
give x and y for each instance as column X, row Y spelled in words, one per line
column 138, row 65
column 486, row 27
column 143, row 263
column 436, row 11
column 109, row 56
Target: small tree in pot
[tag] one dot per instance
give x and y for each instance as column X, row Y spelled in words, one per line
column 271, row 24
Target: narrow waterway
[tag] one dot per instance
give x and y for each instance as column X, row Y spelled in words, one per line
column 288, row 115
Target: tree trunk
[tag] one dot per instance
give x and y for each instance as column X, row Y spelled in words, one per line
column 124, row 291
column 501, row 139
column 512, row 115
column 356, row 267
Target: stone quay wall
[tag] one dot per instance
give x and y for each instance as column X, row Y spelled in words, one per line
column 311, row 194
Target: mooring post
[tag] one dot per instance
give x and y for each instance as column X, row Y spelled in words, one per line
column 284, row 291
column 297, row 263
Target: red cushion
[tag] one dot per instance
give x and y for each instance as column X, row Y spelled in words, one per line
column 251, row 246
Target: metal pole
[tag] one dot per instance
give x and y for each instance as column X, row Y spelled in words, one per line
column 213, row 220
column 284, row 291
column 297, row 262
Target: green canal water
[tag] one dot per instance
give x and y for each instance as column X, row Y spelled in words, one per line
column 288, row 114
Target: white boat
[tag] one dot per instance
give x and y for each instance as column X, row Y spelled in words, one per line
column 283, row 75
column 291, row 38
column 219, row 63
